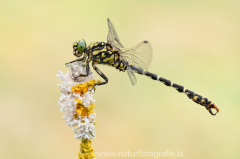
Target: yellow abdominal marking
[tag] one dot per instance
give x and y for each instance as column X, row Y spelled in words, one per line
column 195, row 98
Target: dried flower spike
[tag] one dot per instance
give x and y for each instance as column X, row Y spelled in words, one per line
column 77, row 104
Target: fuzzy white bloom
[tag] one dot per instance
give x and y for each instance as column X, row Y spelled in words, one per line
column 82, row 127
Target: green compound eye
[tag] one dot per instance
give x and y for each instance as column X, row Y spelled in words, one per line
column 81, row 46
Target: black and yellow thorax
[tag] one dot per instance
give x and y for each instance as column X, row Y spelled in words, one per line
column 103, row 53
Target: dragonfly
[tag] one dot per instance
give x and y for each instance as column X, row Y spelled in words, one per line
column 131, row 60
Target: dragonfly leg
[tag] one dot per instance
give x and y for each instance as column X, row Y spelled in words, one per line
column 87, row 70
column 75, row 60
column 101, row 74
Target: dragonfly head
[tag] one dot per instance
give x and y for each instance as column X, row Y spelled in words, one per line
column 79, row 48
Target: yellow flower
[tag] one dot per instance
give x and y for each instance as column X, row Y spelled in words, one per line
column 82, row 88
column 86, row 150
column 83, row 114
column 84, row 111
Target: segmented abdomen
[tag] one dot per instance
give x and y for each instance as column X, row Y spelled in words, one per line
column 195, row 97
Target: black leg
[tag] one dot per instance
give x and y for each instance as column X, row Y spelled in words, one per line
column 87, row 70
column 75, row 60
column 101, row 74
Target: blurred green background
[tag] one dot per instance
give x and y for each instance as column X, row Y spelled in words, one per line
column 196, row 44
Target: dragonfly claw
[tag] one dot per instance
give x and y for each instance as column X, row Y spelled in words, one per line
column 93, row 87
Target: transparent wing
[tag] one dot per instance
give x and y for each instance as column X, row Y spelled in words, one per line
column 139, row 56
column 112, row 37
column 132, row 77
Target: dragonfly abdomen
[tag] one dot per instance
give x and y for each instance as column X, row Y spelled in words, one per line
column 195, row 97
